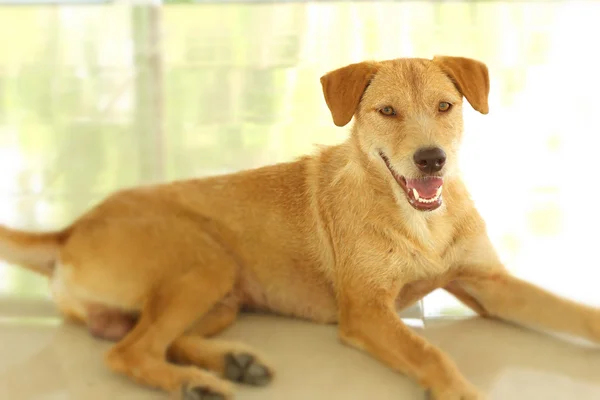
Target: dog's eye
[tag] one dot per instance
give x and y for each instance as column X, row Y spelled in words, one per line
column 387, row 111
column 444, row 106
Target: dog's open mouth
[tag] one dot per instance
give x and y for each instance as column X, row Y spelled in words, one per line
column 424, row 194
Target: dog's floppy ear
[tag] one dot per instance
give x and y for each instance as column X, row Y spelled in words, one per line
column 344, row 87
column 470, row 77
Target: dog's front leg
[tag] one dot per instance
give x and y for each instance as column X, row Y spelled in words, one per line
column 368, row 321
column 497, row 294
column 483, row 284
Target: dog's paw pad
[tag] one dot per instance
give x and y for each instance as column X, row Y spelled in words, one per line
column 200, row 393
column 245, row 368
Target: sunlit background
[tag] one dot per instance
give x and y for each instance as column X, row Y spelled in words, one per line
column 98, row 97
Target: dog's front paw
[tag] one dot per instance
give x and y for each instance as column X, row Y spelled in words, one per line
column 454, row 393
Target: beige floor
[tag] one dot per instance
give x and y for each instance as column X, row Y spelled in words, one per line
column 42, row 359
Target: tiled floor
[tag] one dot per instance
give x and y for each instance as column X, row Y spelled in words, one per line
column 44, row 360
column 191, row 90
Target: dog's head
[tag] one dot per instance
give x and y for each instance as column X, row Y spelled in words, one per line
column 408, row 116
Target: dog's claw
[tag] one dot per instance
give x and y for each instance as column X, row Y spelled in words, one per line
column 430, row 396
column 200, row 393
column 244, row 368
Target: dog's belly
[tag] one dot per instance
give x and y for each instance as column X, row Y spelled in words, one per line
column 300, row 295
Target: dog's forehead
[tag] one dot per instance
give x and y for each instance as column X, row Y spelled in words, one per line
column 414, row 75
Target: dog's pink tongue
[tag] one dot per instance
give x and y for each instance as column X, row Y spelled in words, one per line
column 426, row 187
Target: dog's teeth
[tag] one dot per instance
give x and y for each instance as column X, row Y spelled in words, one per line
column 416, row 194
column 431, row 200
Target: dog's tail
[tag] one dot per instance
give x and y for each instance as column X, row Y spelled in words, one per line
column 35, row 251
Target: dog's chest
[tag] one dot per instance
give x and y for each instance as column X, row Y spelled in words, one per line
column 431, row 232
column 422, row 246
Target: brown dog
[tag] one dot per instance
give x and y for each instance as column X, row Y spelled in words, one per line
column 350, row 235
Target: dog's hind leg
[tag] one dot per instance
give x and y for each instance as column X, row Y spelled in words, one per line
column 168, row 314
column 231, row 360
column 222, row 316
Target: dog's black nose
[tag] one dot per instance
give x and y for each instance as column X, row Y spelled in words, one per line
column 430, row 160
